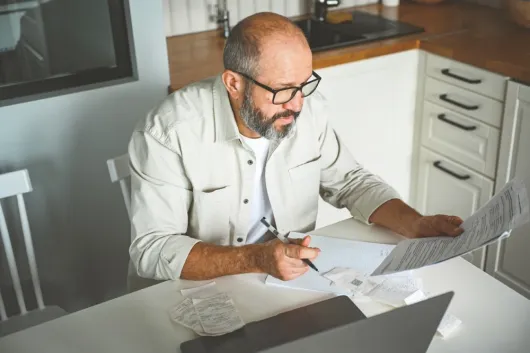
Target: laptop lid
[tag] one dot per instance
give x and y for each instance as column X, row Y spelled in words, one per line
column 409, row 329
column 279, row 329
column 333, row 325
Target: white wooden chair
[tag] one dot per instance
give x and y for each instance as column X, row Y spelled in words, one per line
column 16, row 184
column 119, row 172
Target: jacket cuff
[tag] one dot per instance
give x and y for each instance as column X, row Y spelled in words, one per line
column 173, row 256
column 371, row 200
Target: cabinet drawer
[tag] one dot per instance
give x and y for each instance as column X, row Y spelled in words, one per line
column 466, row 76
column 463, row 139
column 447, row 187
column 465, row 102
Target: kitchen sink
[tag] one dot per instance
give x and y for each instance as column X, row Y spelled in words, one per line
column 362, row 28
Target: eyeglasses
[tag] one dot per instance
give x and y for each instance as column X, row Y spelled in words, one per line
column 284, row 95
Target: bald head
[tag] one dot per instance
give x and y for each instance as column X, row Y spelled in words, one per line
column 250, row 38
column 266, row 57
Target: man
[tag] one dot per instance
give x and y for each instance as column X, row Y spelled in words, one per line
column 217, row 156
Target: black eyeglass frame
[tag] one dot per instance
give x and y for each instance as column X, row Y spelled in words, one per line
column 275, row 91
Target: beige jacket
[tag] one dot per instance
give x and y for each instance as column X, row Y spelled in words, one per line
column 192, row 177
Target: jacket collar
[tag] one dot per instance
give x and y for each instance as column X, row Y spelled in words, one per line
column 224, row 120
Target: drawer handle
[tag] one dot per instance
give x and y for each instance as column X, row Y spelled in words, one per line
column 438, row 165
column 458, row 104
column 446, row 72
column 443, row 118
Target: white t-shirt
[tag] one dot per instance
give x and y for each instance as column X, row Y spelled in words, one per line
column 260, row 204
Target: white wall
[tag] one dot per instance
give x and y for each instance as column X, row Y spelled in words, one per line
column 188, row 16
column 79, row 224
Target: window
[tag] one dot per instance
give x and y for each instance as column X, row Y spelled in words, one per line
column 51, row 47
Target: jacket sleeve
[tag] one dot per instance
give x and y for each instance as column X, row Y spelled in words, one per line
column 160, row 199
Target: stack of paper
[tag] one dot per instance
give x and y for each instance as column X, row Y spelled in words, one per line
column 351, row 280
column 391, row 290
column 207, row 311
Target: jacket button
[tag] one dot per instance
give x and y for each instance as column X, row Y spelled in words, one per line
column 239, row 240
column 250, row 162
column 245, row 201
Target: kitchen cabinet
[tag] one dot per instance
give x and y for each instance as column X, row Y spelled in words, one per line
column 508, row 260
column 371, row 105
column 449, row 188
column 459, row 117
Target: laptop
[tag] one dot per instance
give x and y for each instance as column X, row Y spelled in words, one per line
column 333, row 325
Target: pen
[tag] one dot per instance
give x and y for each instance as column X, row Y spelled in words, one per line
column 285, row 240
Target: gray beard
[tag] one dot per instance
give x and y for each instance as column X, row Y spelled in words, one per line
column 257, row 122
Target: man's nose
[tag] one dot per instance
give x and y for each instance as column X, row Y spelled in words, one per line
column 296, row 103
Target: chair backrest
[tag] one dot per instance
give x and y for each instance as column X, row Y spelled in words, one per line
column 16, row 184
column 119, row 172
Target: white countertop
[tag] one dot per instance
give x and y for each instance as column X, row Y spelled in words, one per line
column 495, row 318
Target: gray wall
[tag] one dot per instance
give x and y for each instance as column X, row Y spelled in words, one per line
column 77, row 216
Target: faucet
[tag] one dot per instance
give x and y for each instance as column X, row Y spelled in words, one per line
column 223, row 16
column 321, row 8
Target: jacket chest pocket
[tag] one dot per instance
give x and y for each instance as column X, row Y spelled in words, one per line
column 305, row 184
column 210, row 215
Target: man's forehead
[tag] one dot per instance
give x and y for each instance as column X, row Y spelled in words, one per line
column 288, row 65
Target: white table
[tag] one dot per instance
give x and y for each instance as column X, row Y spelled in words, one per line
column 495, row 318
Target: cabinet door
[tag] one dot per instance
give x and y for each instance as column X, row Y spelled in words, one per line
column 508, row 259
column 371, row 107
column 446, row 187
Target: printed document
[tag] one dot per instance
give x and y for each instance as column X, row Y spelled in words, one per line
column 505, row 211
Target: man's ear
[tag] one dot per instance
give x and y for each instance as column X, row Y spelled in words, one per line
column 233, row 83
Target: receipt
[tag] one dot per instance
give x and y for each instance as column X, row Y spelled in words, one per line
column 185, row 314
column 449, row 322
column 218, row 314
column 352, row 280
column 396, row 291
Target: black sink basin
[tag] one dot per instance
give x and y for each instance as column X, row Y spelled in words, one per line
column 363, row 27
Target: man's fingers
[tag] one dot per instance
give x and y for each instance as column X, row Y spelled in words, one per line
column 457, row 221
column 448, row 225
column 301, row 252
column 294, row 263
column 301, row 241
column 306, row 241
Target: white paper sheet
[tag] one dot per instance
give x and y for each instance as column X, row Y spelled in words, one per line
column 396, row 291
column 185, row 314
column 204, row 291
column 505, row 211
column 362, row 257
column 218, row 314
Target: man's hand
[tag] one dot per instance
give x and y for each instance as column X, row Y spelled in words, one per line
column 283, row 261
column 438, row 225
column 403, row 219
